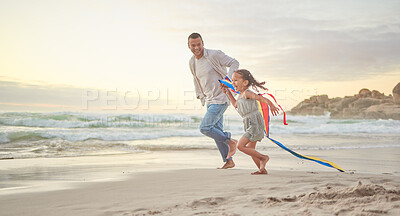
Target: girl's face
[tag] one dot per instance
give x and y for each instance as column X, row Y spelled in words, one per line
column 239, row 83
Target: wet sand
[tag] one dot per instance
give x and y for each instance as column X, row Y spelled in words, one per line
column 188, row 183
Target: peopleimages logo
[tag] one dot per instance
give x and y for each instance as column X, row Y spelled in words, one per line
column 165, row 100
column 161, row 99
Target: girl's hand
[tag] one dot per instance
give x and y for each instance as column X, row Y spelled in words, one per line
column 224, row 88
column 274, row 109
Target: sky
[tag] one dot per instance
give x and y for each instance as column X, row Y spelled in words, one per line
column 132, row 56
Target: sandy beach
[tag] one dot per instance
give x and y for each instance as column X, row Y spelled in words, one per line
column 188, row 183
column 219, row 192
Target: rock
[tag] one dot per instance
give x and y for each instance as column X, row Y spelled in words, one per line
column 352, row 113
column 303, row 108
column 364, row 93
column 317, row 111
column 319, row 99
column 366, row 104
column 396, row 94
column 376, row 94
column 387, row 100
column 316, row 105
column 383, row 111
column 336, row 114
column 391, row 112
column 374, row 113
column 336, row 105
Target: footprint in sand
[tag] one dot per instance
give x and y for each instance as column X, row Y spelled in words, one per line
column 210, row 201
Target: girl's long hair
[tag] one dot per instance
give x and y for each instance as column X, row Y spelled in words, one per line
column 246, row 75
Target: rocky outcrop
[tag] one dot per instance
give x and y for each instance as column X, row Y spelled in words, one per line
column 364, row 105
column 396, row 94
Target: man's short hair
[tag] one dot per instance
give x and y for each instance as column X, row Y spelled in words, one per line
column 194, row 36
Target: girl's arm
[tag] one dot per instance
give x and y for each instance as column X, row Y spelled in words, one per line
column 228, row 92
column 251, row 95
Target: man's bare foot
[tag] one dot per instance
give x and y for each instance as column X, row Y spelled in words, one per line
column 228, row 164
column 263, row 162
column 232, row 148
column 260, row 172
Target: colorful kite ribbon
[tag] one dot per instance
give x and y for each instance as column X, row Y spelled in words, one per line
column 264, row 110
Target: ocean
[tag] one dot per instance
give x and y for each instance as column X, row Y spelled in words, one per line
column 74, row 134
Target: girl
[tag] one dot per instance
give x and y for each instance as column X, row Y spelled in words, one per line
column 247, row 107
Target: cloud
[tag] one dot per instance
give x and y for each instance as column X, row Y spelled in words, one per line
column 335, row 55
column 16, row 94
column 133, row 43
column 313, row 40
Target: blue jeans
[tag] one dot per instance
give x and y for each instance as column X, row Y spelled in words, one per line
column 212, row 126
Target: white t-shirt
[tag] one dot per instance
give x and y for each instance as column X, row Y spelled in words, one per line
column 209, row 82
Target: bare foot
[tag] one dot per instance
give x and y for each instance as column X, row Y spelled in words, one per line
column 232, row 148
column 263, row 162
column 260, row 172
column 256, row 172
column 228, row 164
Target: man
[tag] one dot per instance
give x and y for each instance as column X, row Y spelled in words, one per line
column 207, row 67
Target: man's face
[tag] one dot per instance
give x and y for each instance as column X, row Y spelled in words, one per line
column 197, row 47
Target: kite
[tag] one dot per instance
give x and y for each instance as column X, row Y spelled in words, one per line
column 264, row 110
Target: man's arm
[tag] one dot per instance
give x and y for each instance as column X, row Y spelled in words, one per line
column 197, row 89
column 228, row 61
column 199, row 93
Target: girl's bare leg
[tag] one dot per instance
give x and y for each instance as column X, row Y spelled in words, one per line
column 256, row 160
column 248, row 147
